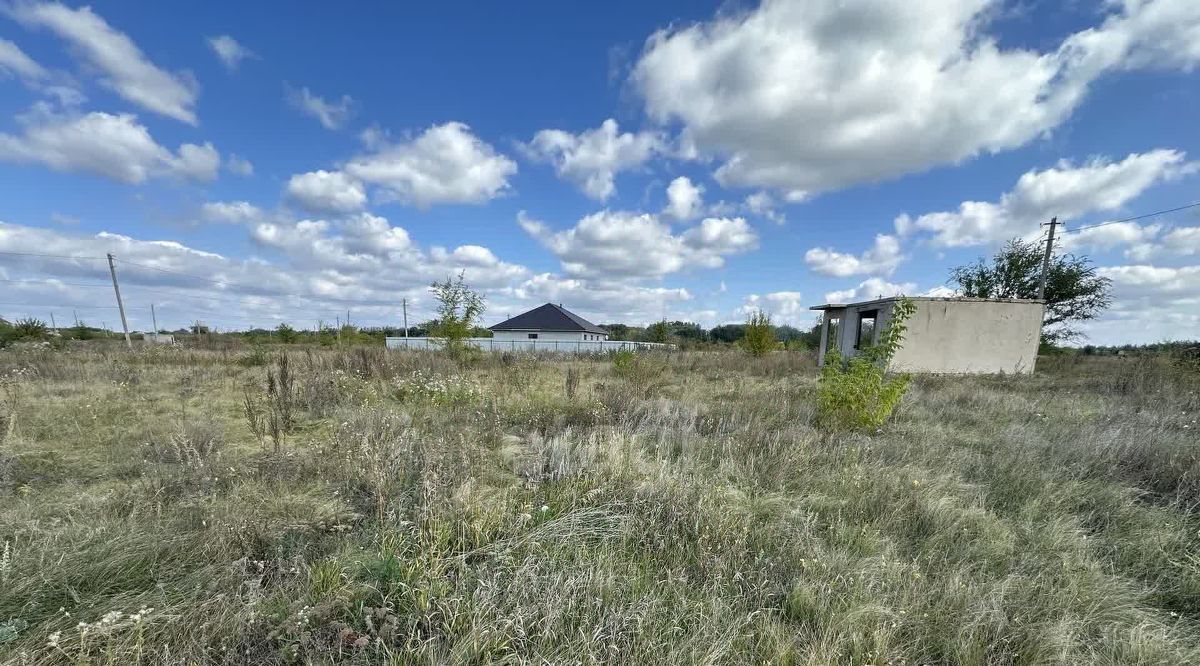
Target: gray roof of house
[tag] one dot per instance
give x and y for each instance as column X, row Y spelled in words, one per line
column 548, row 317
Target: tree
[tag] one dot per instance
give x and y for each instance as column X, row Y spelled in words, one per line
column 727, row 332
column 459, row 307
column 658, row 332
column 1074, row 291
column 616, row 331
column 287, row 334
column 30, row 329
column 760, row 335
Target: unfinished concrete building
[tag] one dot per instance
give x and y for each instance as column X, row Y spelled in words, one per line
column 946, row 335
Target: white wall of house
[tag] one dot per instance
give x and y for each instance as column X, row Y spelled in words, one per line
column 540, row 346
column 548, row 336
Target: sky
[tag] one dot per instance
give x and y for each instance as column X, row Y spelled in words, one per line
column 629, row 160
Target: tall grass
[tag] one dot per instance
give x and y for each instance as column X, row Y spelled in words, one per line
column 664, row 509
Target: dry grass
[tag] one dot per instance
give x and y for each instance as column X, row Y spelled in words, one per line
column 508, row 509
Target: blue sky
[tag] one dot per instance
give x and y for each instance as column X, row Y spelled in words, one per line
column 629, row 160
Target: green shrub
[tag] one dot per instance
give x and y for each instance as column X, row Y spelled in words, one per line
column 760, row 335
column 643, row 371
column 857, row 393
column 257, row 357
column 286, row 334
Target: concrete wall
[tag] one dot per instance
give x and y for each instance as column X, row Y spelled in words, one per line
column 547, row 336
column 972, row 337
column 960, row 336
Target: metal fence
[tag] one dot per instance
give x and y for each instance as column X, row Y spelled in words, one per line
column 549, row 346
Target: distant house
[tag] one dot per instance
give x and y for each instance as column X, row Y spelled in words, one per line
column 548, row 328
column 158, row 338
column 548, row 323
column 945, row 335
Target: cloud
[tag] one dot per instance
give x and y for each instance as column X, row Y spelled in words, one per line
column 763, row 204
column 1066, row 191
column 1184, row 240
column 319, row 268
column 123, row 67
column 444, row 164
column 326, row 191
column 870, row 289
column 591, row 159
column 618, row 244
column 1150, row 304
column 239, row 165
column 229, row 51
column 809, row 97
column 785, row 307
column 331, row 115
column 14, row 62
column 685, row 201
column 113, row 146
column 230, row 211
column 882, row 259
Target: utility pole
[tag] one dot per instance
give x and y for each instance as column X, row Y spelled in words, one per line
column 1046, row 258
column 76, row 316
column 405, row 304
column 112, row 269
column 154, row 318
column 53, row 325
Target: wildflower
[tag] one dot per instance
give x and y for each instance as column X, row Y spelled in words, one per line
column 52, row 640
column 544, row 508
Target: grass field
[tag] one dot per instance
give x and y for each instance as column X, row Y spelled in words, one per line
column 408, row 508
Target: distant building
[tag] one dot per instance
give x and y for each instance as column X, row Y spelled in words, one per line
column 159, row 338
column 547, row 328
column 946, row 335
column 548, row 323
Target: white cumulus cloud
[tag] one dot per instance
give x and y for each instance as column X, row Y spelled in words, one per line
column 804, row 97
column 326, row 191
column 113, row 146
column 122, row 65
column 785, row 307
column 444, row 164
column 881, row 259
column 685, row 200
column 619, row 244
column 1065, row 190
column 230, row 211
column 870, row 289
column 592, row 158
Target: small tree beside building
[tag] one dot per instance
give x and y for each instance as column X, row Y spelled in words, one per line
column 1074, row 290
column 459, row 309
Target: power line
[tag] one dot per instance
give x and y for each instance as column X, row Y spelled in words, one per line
column 60, row 305
column 57, row 282
column 1136, row 217
column 51, row 256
